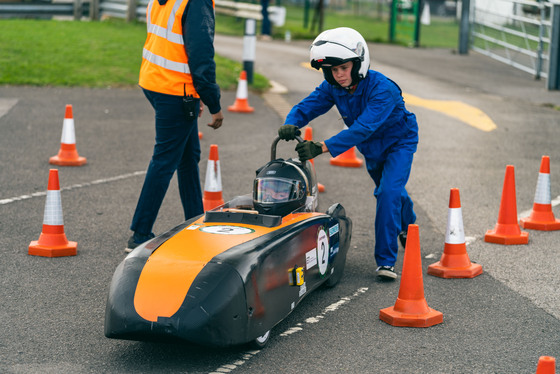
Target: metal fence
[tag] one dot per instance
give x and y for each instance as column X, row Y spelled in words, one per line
column 520, row 33
column 76, row 9
column 516, row 32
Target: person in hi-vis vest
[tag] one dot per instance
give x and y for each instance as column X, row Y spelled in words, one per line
column 178, row 77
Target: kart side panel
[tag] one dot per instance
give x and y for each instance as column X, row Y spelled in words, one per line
column 265, row 267
column 172, row 268
column 236, row 294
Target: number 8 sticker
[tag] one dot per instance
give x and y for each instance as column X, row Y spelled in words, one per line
column 322, row 251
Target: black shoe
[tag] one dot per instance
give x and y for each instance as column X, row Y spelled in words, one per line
column 402, row 238
column 386, row 272
column 137, row 239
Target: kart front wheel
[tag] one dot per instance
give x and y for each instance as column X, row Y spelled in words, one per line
column 260, row 342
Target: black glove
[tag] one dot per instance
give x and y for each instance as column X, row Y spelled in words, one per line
column 288, row 132
column 308, row 150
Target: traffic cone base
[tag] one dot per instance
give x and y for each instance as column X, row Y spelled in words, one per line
column 541, row 218
column 321, row 187
column 411, row 308
column 67, row 156
column 455, row 265
column 497, row 236
column 395, row 318
column 241, row 106
column 36, row 249
column 347, row 159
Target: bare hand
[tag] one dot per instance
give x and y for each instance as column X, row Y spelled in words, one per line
column 201, row 109
column 217, row 120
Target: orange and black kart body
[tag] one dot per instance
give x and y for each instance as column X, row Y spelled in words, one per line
column 229, row 276
column 226, row 277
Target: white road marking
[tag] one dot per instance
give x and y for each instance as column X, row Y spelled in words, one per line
column 292, row 330
column 6, row 105
column 73, row 187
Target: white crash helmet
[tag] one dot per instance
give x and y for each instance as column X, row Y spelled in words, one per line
column 337, row 46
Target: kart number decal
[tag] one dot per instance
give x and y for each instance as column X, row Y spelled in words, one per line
column 322, row 251
column 227, row 230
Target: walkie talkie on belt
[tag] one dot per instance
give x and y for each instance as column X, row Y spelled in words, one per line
column 189, row 106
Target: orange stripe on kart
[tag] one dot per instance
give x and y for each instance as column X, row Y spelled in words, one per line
column 171, row 269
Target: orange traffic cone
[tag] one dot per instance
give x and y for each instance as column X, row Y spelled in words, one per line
column 347, row 159
column 541, row 217
column 455, row 262
column 52, row 241
column 411, row 308
column 68, row 154
column 200, row 135
column 309, row 136
column 546, row 365
column 213, row 184
column 241, row 98
column 507, row 229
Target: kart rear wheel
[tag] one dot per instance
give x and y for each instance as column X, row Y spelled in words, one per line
column 261, row 341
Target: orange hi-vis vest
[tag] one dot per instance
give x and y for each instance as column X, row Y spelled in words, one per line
column 165, row 66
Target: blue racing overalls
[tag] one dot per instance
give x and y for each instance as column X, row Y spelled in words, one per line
column 381, row 128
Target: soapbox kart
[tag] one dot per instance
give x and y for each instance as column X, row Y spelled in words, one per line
column 229, row 276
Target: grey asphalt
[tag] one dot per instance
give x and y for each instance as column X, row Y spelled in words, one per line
column 499, row 322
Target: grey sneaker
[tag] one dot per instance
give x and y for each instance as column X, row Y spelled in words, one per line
column 137, row 239
column 386, row 272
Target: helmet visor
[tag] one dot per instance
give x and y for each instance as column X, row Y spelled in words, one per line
column 277, row 190
column 328, row 62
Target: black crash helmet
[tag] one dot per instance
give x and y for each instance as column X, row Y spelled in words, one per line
column 280, row 187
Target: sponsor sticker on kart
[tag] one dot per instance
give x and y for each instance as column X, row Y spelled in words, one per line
column 333, row 252
column 333, row 230
column 226, row 230
column 311, row 258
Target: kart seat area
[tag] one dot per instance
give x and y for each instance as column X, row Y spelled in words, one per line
column 238, row 216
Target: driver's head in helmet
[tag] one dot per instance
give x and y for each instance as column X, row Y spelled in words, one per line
column 280, row 188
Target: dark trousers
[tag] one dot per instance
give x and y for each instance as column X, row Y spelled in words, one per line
column 177, row 148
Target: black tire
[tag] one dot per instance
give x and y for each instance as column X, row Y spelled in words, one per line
column 337, row 274
column 261, row 341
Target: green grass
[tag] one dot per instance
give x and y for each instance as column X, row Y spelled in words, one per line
column 91, row 54
column 442, row 33
column 108, row 53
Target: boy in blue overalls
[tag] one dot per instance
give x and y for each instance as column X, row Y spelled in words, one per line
column 378, row 124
